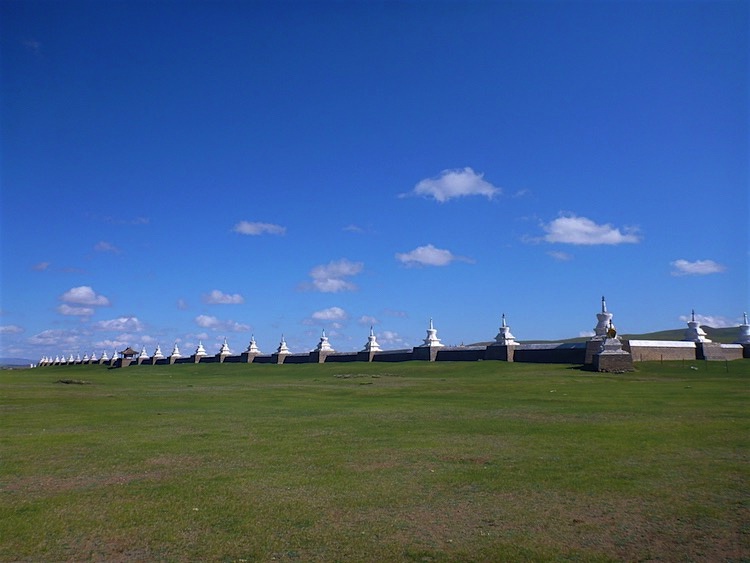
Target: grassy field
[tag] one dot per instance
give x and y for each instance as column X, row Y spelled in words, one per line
column 484, row 461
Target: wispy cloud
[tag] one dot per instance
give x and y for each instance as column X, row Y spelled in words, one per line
column 84, row 295
column 182, row 304
column 217, row 297
column 41, row 266
column 57, row 338
column 75, row 311
column 331, row 277
column 429, row 255
column 454, row 183
column 560, row 256
column 389, row 337
column 570, row 229
column 714, row 321
column 354, row 229
column 330, row 314
column 254, row 228
column 213, row 323
column 697, row 268
column 11, row 329
column 104, row 246
column 367, row 320
column 120, row 324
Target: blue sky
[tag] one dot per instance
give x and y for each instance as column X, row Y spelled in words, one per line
column 185, row 171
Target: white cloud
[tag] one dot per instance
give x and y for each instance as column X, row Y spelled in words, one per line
column 115, row 344
column 84, row 295
column 41, row 266
column 56, row 337
column 11, row 329
column 182, row 304
column 389, row 337
column 714, row 321
column 217, row 297
column 354, row 229
column 251, row 228
column 570, row 229
column 65, row 309
column 329, row 278
column 120, row 324
column 450, row 184
column 367, row 320
column 213, row 323
column 697, row 268
column 560, row 256
column 428, row 256
column 396, row 313
column 586, row 333
column 330, row 314
column 104, row 246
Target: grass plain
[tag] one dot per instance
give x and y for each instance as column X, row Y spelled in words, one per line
column 415, row 461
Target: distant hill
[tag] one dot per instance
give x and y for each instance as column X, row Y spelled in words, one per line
column 15, row 362
column 720, row 335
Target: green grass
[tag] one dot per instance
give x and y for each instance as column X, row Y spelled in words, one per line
column 416, row 461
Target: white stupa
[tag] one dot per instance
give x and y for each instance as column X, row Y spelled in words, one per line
column 432, row 339
column 115, row 355
column 105, row 357
column 85, row 357
column 603, row 320
column 200, row 351
column 324, row 345
column 143, row 355
column 71, row 359
column 504, row 337
column 157, row 353
column 175, row 352
column 78, row 358
column 283, row 349
column 372, row 343
column 252, row 348
column 93, row 357
column 744, row 337
column 225, row 351
column 694, row 332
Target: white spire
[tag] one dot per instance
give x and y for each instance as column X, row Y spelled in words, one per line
column 252, row 348
column 432, row 339
column 283, row 349
column 324, row 345
column 603, row 319
column 93, row 357
column 143, row 355
column 85, row 357
column 157, row 353
column 225, row 351
column 504, row 337
column 175, row 352
column 200, row 351
column 71, row 359
column 105, row 357
column 372, row 342
column 744, row 336
column 694, row 332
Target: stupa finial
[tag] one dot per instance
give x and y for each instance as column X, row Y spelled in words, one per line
column 604, row 305
column 504, row 323
column 744, row 316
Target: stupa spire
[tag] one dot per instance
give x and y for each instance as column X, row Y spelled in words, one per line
column 432, row 339
column 283, row 349
column 372, row 342
column 694, row 332
column 225, row 351
column 252, row 348
column 324, row 345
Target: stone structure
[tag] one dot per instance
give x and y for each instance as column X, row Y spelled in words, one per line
column 505, row 344
column 694, row 332
column 604, row 352
column 224, row 352
column 611, row 357
column 429, row 350
column 282, row 351
column 251, row 352
column 175, row 355
column 200, row 352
